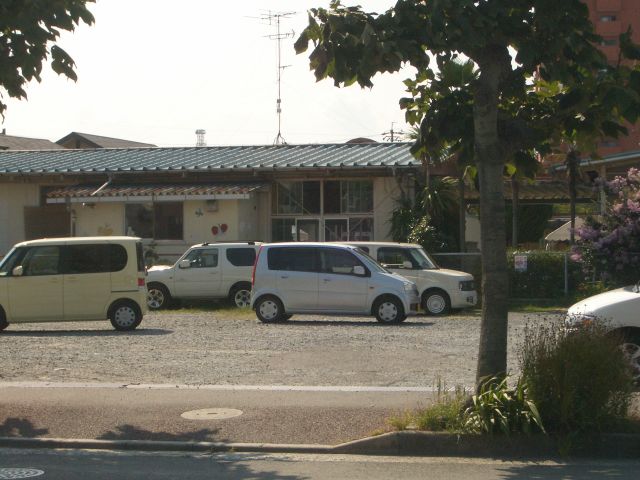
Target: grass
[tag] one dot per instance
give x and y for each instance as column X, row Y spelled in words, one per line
column 445, row 415
column 218, row 308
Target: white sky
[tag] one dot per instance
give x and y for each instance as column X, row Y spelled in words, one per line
column 156, row 70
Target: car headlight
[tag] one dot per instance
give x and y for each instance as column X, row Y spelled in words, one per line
column 410, row 288
column 467, row 285
column 576, row 320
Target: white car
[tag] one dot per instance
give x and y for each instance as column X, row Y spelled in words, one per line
column 441, row 289
column 619, row 309
column 208, row 271
column 324, row 278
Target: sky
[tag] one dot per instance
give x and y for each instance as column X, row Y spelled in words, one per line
column 155, row 71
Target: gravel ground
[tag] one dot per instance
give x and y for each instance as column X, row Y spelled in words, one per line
column 234, row 348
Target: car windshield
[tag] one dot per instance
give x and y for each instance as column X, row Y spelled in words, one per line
column 370, row 261
column 423, row 259
column 6, row 264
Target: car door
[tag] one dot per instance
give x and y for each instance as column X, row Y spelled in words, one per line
column 296, row 275
column 37, row 294
column 339, row 288
column 87, row 281
column 202, row 277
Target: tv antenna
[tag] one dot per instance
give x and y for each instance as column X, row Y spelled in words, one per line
column 275, row 18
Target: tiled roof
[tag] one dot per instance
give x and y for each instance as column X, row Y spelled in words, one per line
column 156, row 191
column 99, row 141
column 196, row 159
column 9, row 142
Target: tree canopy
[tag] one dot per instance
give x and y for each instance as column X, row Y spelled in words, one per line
column 27, row 29
column 509, row 42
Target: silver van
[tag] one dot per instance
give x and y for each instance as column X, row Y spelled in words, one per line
column 324, row 278
column 72, row 279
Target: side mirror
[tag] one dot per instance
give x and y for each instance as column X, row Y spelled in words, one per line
column 184, row 264
column 407, row 265
column 17, row 271
column 359, row 270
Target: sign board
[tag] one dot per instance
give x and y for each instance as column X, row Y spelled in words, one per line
column 520, row 263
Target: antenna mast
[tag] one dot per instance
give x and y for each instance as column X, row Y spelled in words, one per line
column 275, row 18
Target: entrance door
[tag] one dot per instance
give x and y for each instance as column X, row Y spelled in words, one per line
column 308, row 230
column 336, row 230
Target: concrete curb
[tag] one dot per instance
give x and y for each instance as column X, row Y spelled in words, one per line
column 428, row 444
column 157, row 446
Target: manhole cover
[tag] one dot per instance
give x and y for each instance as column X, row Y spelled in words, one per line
column 20, row 472
column 212, row 414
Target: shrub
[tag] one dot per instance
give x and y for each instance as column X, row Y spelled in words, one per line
column 579, row 379
column 500, row 409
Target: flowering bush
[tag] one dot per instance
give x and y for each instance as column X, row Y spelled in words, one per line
column 609, row 244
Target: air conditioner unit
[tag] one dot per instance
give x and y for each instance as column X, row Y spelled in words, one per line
column 212, row 205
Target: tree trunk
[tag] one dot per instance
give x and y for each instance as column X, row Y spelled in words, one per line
column 462, row 212
column 492, row 355
column 572, row 168
column 515, row 206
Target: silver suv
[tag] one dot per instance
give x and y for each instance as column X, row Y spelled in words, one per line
column 208, row 271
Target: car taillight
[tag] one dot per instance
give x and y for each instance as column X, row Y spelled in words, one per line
column 141, row 282
column 253, row 273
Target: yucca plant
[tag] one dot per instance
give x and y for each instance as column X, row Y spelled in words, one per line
column 500, row 409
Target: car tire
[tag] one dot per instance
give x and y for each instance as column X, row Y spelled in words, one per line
column 125, row 315
column 158, row 296
column 436, row 302
column 389, row 310
column 269, row 309
column 3, row 320
column 240, row 296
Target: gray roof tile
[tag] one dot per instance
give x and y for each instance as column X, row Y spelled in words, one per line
column 208, row 158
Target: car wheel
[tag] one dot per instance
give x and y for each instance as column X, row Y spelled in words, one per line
column 240, row 296
column 389, row 310
column 125, row 315
column 158, row 296
column 631, row 349
column 3, row 320
column 436, row 302
column 270, row 310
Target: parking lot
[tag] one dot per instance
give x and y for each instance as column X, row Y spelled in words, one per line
column 231, row 347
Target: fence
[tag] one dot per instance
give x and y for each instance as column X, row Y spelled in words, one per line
column 532, row 275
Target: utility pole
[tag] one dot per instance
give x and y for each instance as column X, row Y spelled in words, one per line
column 274, row 18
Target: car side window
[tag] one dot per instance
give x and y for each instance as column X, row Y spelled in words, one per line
column 337, row 261
column 394, row 257
column 41, row 260
column 293, row 259
column 241, row 256
column 203, row 258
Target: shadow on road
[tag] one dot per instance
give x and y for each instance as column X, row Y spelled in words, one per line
column 20, row 427
column 352, row 323
column 131, row 432
column 86, row 333
column 597, row 472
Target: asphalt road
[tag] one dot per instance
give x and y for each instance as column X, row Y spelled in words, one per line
column 97, row 465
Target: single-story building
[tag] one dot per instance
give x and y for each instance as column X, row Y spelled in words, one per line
column 176, row 197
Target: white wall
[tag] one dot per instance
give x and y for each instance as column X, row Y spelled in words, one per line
column 13, row 198
column 385, row 195
column 100, row 219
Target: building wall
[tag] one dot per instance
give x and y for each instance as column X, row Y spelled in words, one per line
column 385, row 196
column 13, row 198
column 99, row 219
column 610, row 18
